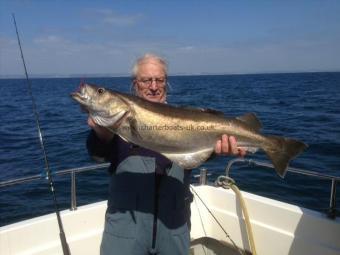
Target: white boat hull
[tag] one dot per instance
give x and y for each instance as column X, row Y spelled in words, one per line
column 279, row 228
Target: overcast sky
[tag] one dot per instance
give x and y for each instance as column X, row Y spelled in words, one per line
column 106, row 37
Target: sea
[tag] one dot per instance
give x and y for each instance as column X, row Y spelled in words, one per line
column 305, row 106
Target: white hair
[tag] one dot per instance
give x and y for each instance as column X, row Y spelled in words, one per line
column 149, row 57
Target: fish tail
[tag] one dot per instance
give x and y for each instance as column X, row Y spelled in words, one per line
column 281, row 151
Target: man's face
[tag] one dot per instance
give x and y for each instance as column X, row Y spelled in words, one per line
column 150, row 82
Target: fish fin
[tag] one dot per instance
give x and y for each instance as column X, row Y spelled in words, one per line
column 284, row 150
column 116, row 124
column 247, row 146
column 250, row 149
column 207, row 110
column 251, row 120
column 124, row 139
column 191, row 159
column 212, row 111
column 131, row 119
column 134, row 129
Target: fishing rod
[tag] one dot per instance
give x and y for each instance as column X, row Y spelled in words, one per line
column 64, row 244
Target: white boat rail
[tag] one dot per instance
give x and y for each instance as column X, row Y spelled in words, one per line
column 331, row 211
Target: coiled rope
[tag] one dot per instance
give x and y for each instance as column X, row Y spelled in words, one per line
column 227, row 182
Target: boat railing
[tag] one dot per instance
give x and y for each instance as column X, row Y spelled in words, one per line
column 71, row 171
column 331, row 211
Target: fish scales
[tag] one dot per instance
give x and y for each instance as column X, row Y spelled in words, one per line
column 187, row 136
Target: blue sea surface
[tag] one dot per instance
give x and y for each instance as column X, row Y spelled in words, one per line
column 299, row 105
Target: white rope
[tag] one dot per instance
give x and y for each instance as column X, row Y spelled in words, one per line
column 227, row 182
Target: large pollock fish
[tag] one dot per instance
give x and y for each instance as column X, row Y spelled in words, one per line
column 187, row 136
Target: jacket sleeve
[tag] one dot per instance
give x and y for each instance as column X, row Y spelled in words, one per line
column 97, row 149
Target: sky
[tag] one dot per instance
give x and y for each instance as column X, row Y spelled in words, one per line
column 62, row 38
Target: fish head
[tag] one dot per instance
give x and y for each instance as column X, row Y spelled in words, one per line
column 104, row 106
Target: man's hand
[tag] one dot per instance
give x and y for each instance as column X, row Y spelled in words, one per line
column 228, row 146
column 103, row 134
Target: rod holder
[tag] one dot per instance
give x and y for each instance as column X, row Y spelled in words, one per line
column 332, row 201
column 203, row 176
column 73, row 192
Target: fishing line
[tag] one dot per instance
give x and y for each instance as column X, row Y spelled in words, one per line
column 64, row 244
column 217, row 221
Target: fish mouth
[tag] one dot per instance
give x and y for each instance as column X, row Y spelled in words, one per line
column 80, row 95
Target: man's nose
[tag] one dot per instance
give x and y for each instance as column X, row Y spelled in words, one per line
column 153, row 85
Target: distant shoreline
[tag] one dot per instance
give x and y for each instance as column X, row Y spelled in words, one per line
column 56, row 76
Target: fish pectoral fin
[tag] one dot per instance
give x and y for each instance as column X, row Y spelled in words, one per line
column 190, row 160
column 251, row 120
column 134, row 129
column 120, row 119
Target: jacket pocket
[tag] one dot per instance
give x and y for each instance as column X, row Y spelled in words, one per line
column 120, row 216
column 120, row 224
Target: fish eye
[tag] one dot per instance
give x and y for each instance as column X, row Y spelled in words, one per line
column 100, row 91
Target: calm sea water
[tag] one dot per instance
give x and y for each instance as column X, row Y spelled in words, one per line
column 301, row 105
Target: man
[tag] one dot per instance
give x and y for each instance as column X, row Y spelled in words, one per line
column 149, row 202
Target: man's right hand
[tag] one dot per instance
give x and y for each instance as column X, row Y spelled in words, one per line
column 103, row 133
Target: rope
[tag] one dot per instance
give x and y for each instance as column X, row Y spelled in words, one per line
column 227, row 182
column 216, row 220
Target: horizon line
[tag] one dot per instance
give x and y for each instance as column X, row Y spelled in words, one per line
column 113, row 75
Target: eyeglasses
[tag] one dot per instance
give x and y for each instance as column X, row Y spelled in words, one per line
column 146, row 82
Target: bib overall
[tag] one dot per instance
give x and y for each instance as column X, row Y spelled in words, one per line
column 149, row 203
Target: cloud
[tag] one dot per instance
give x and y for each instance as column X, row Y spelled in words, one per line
column 56, row 53
column 120, row 20
column 110, row 17
column 7, row 42
column 49, row 39
column 187, row 48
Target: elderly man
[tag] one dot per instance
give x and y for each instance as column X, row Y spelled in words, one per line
column 149, row 202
